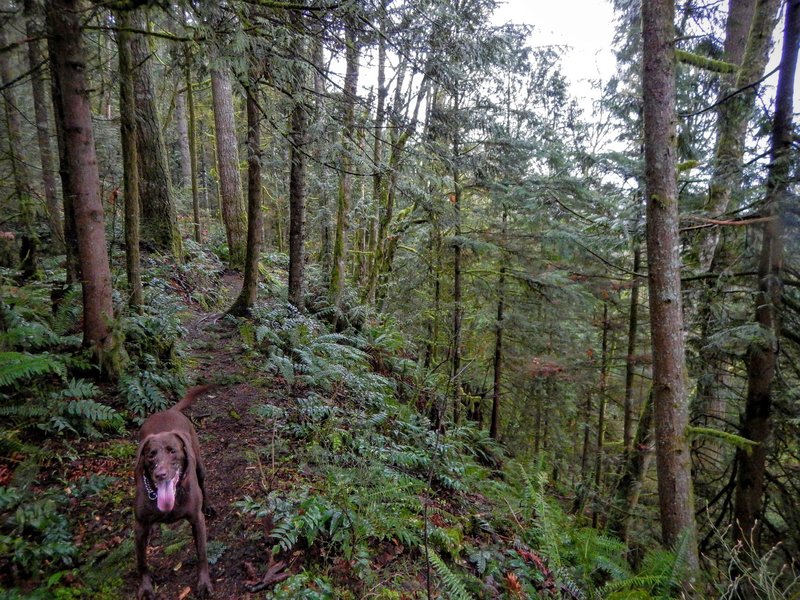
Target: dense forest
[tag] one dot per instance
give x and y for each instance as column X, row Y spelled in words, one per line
column 464, row 334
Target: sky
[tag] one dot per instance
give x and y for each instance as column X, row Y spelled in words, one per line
column 584, row 29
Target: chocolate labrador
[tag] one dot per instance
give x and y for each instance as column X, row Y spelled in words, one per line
column 170, row 485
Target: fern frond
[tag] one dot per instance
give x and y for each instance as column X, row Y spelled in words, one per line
column 451, row 582
column 15, row 366
column 92, row 411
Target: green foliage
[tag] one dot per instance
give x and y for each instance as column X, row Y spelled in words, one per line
column 451, row 582
column 17, row 366
column 304, row 586
column 155, row 367
column 34, row 535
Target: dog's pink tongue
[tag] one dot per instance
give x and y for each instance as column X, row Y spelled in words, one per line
column 165, row 494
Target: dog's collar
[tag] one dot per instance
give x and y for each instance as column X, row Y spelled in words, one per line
column 151, row 493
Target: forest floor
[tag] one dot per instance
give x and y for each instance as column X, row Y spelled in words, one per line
column 233, row 442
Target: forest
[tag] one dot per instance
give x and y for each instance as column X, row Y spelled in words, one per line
column 461, row 334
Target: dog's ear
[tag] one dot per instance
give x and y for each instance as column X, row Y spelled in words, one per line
column 189, row 459
column 138, row 470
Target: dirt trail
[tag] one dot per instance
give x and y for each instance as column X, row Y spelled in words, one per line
column 230, row 438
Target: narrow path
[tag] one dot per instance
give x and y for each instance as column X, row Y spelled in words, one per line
column 233, row 445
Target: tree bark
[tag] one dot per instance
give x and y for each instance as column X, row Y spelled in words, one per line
column 41, row 112
column 494, row 424
column 763, row 354
column 72, row 109
column 633, row 330
column 344, row 200
column 19, row 166
column 127, row 113
column 255, row 216
column 159, row 219
column 182, row 126
column 636, row 463
column 670, row 400
column 756, row 19
column 298, row 140
column 458, row 308
column 601, row 416
column 230, row 182
column 192, row 143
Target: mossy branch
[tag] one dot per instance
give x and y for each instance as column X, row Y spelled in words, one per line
column 705, row 63
column 730, row 438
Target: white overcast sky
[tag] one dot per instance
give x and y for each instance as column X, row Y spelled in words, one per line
column 584, row 29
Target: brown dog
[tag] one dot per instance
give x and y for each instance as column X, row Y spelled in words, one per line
column 170, row 485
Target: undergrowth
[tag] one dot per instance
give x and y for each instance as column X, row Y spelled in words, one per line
column 384, row 485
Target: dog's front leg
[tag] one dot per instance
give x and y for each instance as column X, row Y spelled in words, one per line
column 142, row 534
column 203, row 579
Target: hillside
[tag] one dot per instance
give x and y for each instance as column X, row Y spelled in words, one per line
column 327, row 477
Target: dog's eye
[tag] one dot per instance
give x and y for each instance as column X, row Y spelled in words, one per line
column 171, row 450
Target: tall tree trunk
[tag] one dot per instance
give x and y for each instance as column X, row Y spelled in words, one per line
column 344, row 199
column 298, row 140
column 458, row 308
column 756, row 19
column 635, row 466
column 763, row 354
column 34, row 31
column 633, row 330
column 230, row 182
column 72, row 109
column 182, row 126
column 255, row 216
column 127, row 114
column 326, row 239
column 192, row 142
column 748, row 36
column 19, row 166
column 494, row 424
column 670, row 400
column 601, row 415
column 159, row 219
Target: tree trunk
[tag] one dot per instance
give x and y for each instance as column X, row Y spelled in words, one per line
column 73, row 111
column 255, row 216
column 182, row 126
column 326, row 239
column 601, row 417
column 41, row 112
column 127, row 113
column 763, row 353
column 192, row 143
column 756, row 19
column 379, row 175
column 230, row 182
column 494, row 424
column 670, row 400
column 19, row 166
column 458, row 309
column 159, row 219
column 636, row 463
column 344, row 199
column 633, row 329
column 298, row 140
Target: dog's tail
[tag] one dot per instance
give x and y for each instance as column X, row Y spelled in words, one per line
column 191, row 395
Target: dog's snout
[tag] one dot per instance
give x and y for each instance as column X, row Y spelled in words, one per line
column 160, row 473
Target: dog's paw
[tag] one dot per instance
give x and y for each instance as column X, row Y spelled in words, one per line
column 145, row 590
column 204, row 587
column 209, row 511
